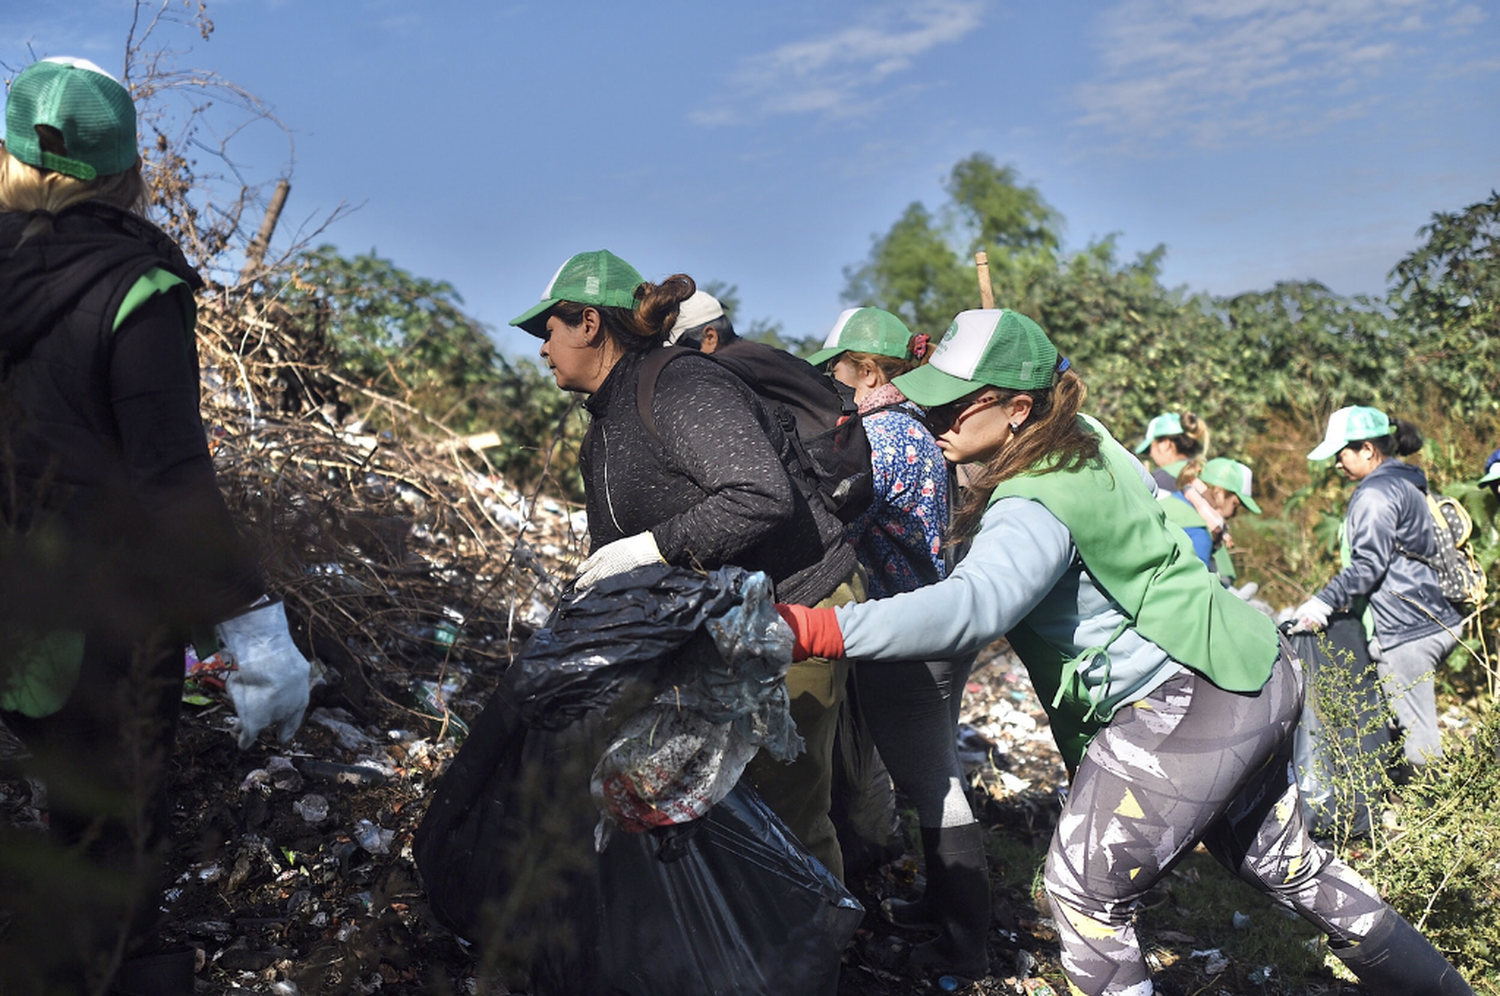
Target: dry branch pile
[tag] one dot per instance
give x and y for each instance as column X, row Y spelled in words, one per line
column 399, row 554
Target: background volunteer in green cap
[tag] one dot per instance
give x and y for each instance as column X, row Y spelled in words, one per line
column 708, row 488
column 1177, row 443
column 1222, row 486
column 912, row 707
column 119, row 541
column 1172, row 701
column 1385, row 541
column 1172, row 439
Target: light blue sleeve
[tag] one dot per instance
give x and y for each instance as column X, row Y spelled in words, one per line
column 1021, row 552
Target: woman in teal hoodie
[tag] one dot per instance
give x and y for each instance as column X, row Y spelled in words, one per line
column 1172, row 701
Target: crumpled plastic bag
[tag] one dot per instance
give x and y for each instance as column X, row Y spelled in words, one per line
column 694, row 661
column 672, row 761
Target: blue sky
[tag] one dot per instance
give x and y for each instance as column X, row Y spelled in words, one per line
column 765, row 144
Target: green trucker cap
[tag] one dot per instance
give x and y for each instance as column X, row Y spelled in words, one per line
column 599, row 278
column 1165, row 424
column 865, row 330
column 87, row 107
column 991, row 346
column 1351, row 425
column 1232, row 476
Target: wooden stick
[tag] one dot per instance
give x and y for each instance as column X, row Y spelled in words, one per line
column 986, row 292
column 255, row 253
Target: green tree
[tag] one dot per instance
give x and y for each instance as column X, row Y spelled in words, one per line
column 1447, row 296
column 1000, row 212
column 913, row 272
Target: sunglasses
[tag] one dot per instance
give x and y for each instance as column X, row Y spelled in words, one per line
column 940, row 418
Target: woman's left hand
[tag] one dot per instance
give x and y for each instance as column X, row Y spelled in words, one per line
column 618, row 557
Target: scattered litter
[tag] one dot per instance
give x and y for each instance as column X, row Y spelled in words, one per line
column 372, row 838
column 349, row 736
column 1216, row 962
column 1240, row 920
column 343, row 774
column 313, row 808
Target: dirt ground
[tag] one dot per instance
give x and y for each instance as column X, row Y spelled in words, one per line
column 293, row 871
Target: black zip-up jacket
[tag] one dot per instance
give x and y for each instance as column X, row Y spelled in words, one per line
column 102, row 445
column 714, row 490
column 1388, row 508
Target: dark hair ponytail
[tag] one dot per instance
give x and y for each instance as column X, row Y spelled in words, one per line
column 1404, row 439
column 644, row 327
column 1192, row 441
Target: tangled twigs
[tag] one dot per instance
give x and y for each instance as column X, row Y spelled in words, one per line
column 403, row 556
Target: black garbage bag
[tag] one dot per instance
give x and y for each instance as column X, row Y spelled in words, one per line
column 1341, row 744
column 506, row 848
column 731, row 903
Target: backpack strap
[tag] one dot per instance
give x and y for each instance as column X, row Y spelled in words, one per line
column 645, row 388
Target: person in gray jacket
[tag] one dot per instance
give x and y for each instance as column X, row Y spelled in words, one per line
column 1385, row 540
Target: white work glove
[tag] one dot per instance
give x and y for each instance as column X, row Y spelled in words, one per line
column 1312, row 615
column 618, row 557
column 271, row 680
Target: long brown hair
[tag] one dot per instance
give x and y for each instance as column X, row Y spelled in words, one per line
column 1051, row 439
column 644, row 327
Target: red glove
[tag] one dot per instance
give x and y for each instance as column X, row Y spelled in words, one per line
column 815, row 632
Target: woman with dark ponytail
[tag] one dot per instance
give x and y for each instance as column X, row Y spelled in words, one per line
column 1385, row 543
column 1173, row 440
column 1173, row 701
column 704, row 486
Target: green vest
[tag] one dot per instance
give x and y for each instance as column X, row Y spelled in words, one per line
column 1149, row 570
column 1181, row 514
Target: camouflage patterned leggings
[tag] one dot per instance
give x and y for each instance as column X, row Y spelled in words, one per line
column 1190, row 762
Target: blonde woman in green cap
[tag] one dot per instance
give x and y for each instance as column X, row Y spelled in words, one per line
column 912, row 707
column 1385, row 542
column 1222, row 487
column 119, row 541
column 1173, row 702
column 705, row 486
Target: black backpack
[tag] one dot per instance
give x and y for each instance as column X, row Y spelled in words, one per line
column 829, row 448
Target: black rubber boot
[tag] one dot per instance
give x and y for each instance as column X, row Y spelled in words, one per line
column 168, row 973
column 1396, row 960
column 958, row 897
column 916, row 914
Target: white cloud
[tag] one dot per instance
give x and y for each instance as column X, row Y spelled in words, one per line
column 1207, row 70
column 839, row 75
